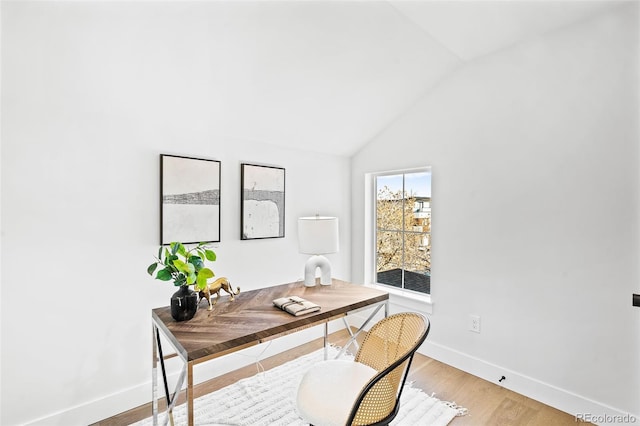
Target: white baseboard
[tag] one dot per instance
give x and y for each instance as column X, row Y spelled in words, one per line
column 98, row 409
column 580, row 407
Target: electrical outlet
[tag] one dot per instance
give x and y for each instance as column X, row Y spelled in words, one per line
column 474, row 323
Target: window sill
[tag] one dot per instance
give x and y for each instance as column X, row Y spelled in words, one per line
column 407, row 299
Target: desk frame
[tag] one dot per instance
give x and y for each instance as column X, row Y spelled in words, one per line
column 370, row 299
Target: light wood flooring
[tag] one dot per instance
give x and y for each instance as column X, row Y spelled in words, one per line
column 487, row 403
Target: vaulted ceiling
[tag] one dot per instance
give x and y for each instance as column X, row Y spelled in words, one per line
column 328, row 76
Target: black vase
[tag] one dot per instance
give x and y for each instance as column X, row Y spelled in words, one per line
column 184, row 304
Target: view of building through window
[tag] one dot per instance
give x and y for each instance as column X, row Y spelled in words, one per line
column 403, row 230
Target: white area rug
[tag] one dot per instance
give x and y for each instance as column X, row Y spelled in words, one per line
column 268, row 399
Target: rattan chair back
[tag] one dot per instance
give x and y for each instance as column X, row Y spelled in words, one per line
column 388, row 348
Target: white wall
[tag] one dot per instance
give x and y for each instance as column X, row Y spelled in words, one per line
column 535, row 160
column 92, row 93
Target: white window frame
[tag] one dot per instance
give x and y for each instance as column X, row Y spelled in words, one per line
column 406, row 298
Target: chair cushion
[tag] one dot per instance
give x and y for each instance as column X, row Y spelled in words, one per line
column 329, row 389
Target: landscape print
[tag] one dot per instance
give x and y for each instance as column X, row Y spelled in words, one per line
column 262, row 204
column 190, row 209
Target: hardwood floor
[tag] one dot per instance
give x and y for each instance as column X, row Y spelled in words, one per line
column 487, row 403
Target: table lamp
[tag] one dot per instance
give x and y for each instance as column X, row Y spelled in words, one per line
column 317, row 235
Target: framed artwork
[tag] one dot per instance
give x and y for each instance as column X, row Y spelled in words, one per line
column 189, row 200
column 262, row 202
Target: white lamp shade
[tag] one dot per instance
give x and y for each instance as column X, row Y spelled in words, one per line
column 318, row 235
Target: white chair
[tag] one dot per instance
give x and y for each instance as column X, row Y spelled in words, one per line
column 365, row 391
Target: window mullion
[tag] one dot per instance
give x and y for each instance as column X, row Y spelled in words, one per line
column 404, row 228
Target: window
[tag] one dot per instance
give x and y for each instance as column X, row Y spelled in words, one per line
column 403, row 230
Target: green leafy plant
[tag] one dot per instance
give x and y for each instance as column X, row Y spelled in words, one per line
column 184, row 267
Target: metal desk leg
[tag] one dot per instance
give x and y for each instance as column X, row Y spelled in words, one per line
column 157, row 354
column 190, row 419
column 174, row 398
column 154, row 377
column 171, row 399
column 326, row 340
column 355, row 335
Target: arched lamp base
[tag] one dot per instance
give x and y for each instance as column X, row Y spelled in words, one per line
column 310, row 267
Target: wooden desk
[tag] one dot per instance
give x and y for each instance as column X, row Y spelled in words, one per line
column 249, row 320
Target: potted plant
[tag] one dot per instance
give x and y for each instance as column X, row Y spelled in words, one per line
column 185, row 268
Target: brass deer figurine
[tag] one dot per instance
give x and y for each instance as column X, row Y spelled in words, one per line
column 215, row 288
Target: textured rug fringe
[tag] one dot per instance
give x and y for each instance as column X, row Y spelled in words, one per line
column 461, row 411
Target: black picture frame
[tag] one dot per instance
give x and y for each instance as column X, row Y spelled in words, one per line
column 189, row 199
column 262, row 201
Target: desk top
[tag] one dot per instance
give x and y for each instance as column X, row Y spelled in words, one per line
column 251, row 318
